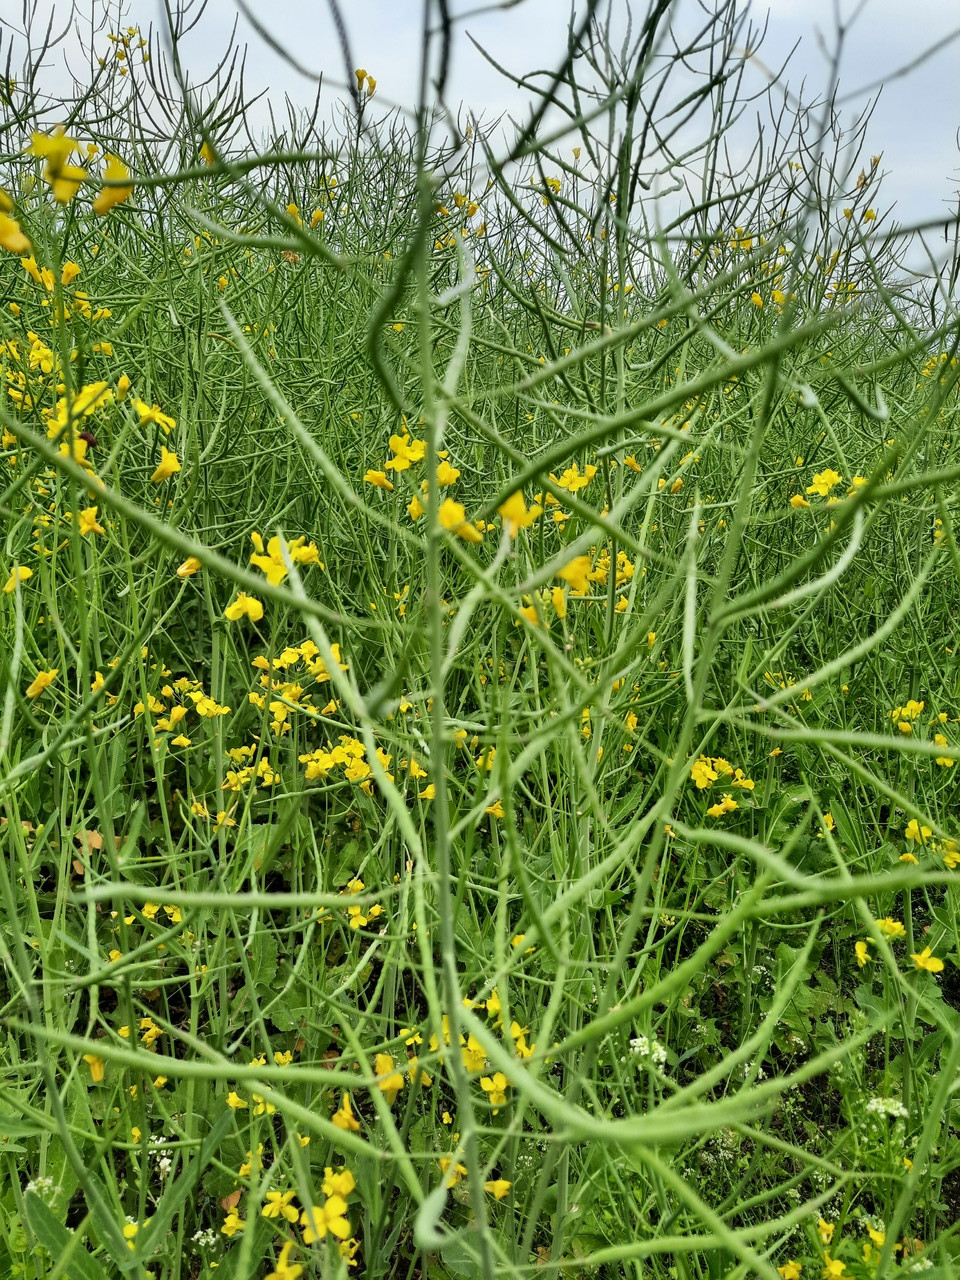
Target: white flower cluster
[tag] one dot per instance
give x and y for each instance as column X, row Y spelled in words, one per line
column 643, row 1047
column 40, row 1186
column 206, row 1239
column 887, row 1107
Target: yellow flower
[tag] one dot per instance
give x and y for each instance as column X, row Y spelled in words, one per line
column 824, row 481
column 498, row 1188
column 447, row 475
column 273, row 564
column 862, row 953
column 338, row 1182
column 96, row 1066
column 244, row 607
column 169, row 465
column 278, row 1206
column 189, row 567
column 11, row 237
column 236, row 1102
column 925, row 960
column 152, row 413
column 891, row 928
column 207, row 154
column 798, row 500
column 233, row 1224
column 573, row 479
column 42, row 680
column 516, row 515
column 756, row 299
column 64, row 179
column 457, row 1171
column 379, row 479
column 834, row 1268
column 286, row 1270
column 915, row 831
column 726, row 805
column 389, row 1081
column 320, row 1219
column 790, row 1271
column 20, row 574
column 453, row 517
column 405, row 451
column 344, row 1118
column 702, row 773
column 495, row 810
column 825, row 1231
column 53, row 147
column 576, row 574
column 115, row 171
column 496, row 1087
column 87, row 522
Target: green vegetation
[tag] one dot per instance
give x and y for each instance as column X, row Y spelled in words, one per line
column 480, row 694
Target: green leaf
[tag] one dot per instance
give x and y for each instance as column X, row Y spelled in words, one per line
column 17, row 1127
column 61, row 1244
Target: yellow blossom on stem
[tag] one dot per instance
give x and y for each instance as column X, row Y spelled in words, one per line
column 286, row 1270
column 189, row 567
column 726, row 805
column 17, row 575
column 232, row 1224
column 318, row 1220
column 495, row 1087
column 152, row 413
column 916, row 831
column 926, row 960
column 516, row 515
column 11, row 237
column 42, row 680
column 576, row 573
column 115, row 171
column 278, row 1206
column 87, row 522
column 96, row 1066
column 498, row 1188
column 891, row 928
column 338, row 1182
column 824, row 481
column 244, row 607
column 833, row 1268
column 702, row 773
column 389, row 1080
column 344, row 1118
column 169, row 465
column 453, row 518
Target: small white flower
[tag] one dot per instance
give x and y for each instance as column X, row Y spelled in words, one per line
column 887, row 1107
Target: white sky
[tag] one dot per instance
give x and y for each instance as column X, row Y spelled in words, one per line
column 914, row 126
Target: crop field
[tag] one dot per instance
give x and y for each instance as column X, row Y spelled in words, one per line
column 479, row 678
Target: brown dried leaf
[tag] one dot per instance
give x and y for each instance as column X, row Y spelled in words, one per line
column 89, row 840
